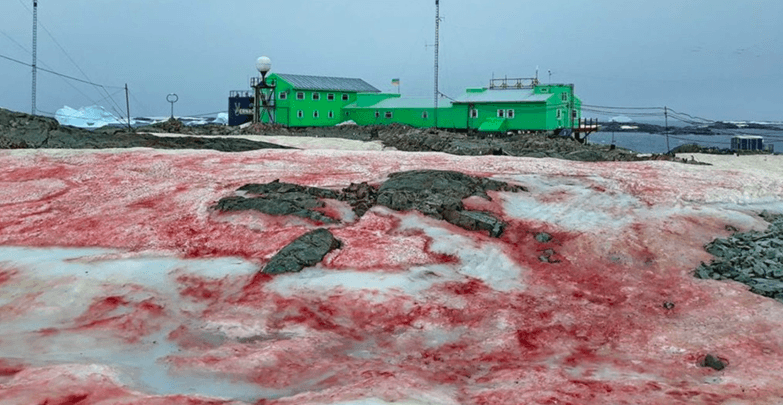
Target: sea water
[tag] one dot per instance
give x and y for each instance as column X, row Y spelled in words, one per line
column 643, row 142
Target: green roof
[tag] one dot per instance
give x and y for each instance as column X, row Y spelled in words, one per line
column 396, row 103
column 322, row 83
column 503, row 96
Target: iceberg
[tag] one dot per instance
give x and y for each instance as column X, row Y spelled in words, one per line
column 87, row 117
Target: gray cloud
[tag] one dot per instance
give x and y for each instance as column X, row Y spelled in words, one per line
column 719, row 59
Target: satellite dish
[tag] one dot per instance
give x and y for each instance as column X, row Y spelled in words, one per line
column 264, row 65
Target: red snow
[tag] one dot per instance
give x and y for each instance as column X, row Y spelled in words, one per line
column 589, row 326
column 126, row 319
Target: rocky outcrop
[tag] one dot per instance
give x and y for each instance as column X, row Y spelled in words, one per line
column 753, row 258
column 24, row 131
column 439, row 194
column 307, row 250
column 434, row 193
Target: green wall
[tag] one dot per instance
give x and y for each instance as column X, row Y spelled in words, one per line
column 287, row 109
column 362, row 108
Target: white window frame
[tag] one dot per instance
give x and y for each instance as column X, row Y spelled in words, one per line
column 388, row 115
column 331, row 114
column 377, row 114
column 300, row 114
column 300, row 95
column 559, row 114
column 564, row 96
column 316, row 96
column 424, row 115
column 316, row 114
column 330, row 97
column 283, row 95
column 474, row 113
column 501, row 113
column 345, row 97
column 510, row 114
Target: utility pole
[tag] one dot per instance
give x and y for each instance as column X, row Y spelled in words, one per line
column 666, row 115
column 437, row 46
column 35, row 52
column 127, row 106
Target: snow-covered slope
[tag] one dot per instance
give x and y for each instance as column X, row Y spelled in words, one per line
column 119, row 284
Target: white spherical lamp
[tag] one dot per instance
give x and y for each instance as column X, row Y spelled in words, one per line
column 264, row 65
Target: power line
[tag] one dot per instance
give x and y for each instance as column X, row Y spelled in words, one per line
column 47, row 65
column 623, row 108
column 58, row 74
column 88, row 81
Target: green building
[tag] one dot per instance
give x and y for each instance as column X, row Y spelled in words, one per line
column 314, row 101
column 507, row 105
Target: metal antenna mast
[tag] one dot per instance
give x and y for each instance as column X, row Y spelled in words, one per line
column 35, row 51
column 437, row 46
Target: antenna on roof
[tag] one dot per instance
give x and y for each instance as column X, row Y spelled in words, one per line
column 35, row 52
column 437, row 46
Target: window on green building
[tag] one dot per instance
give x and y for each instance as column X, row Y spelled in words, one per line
column 474, row 113
column 330, row 96
column 315, row 114
column 559, row 114
column 316, row 96
column 509, row 113
column 345, row 97
column 389, row 114
column 300, row 95
column 377, row 114
column 300, row 114
column 424, row 115
column 501, row 113
column 564, row 96
column 331, row 114
column 283, row 95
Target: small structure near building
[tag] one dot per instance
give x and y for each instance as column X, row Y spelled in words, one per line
column 747, row 143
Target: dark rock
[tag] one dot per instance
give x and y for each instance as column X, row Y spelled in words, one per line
column 543, row 237
column 439, row 194
column 712, row 362
column 752, row 258
column 476, row 221
column 278, row 187
column 668, row 305
column 307, row 250
column 276, row 206
column 730, row 228
column 361, row 197
column 19, row 130
column 770, row 217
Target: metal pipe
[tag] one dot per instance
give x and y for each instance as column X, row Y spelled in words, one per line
column 35, row 54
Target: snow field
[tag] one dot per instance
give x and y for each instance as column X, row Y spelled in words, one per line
column 118, row 284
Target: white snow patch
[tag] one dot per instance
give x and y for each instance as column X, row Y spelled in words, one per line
column 579, row 207
column 59, row 284
column 320, row 280
column 484, row 261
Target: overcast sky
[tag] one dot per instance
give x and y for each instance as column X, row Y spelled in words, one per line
column 721, row 59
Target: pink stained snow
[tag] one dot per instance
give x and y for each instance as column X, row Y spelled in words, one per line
column 120, row 284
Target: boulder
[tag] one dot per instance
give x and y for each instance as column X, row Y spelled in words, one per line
column 306, row 251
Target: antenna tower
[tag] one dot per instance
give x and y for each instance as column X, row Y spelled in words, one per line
column 437, row 46
column 35, row 51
